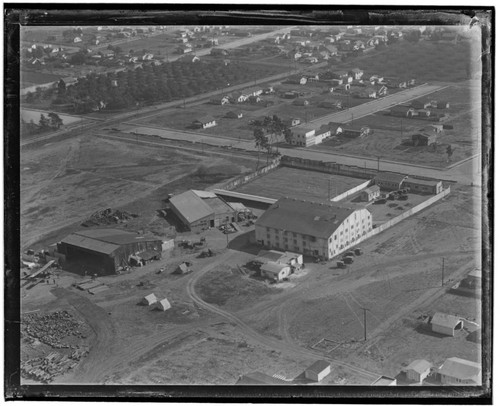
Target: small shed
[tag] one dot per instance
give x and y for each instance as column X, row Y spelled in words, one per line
column 149, row 300
column 163, row 305
column 418, row 370
column 182, row 269
column 370, row 193
column 446, row 324
column 275, row 271
column 234, row 114
column 384, row 381
column 318, row 371
column 423, row 139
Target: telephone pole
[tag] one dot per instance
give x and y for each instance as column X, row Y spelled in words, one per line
column 442, row 273
column 364, row 319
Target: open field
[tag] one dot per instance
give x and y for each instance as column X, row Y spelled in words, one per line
column 29, row 78
column 63, row 183
column 300, row 184
column 425, row 60
column 390, row 132
column 28, row 115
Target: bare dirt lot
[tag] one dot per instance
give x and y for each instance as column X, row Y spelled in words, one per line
column 300, row 184
column 62, row 183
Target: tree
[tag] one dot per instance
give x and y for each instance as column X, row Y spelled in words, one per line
column 260, row 142
column 44, row 122
column 449, row 152
column 61, row 87
column 55, row 120
column 288, row 135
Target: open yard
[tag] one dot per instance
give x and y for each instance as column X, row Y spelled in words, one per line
column 30, row 78
column 300, row 184
column 64, row 182
column 390, row 133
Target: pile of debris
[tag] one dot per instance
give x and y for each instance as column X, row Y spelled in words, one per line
column 52, row 328
column 46, row 368
column 108, row 216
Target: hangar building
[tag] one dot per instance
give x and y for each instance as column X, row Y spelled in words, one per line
column 104, row 250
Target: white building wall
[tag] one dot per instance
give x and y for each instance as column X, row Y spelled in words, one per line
column 443, row 330
column 345, row 236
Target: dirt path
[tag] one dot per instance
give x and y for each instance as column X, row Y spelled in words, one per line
column 101, row 324
column 250, row 333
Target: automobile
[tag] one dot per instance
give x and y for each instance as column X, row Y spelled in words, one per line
column 348, row 260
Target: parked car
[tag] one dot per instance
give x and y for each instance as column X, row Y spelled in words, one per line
column 348, row 260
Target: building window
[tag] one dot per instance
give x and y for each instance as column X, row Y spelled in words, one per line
column 330, row 239
column 295, row 242
column 335, row 237
column 268, row 236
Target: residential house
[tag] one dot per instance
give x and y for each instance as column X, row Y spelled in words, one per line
column 358, row 45
column 331, row 49
column 423, row 112
column 184, row 49
column 420, row 104
column 423, row 139
column 220, row 100
column 318, row 371
column 254, row 99
column 356, row 73
column 395, row 84
column 323, row 230
column 300, row 102
column 364, row 93
column 446, row 324
column 376, row 79
column 205, row 122
column 274, row 271
column 77, row 39
column 296, row 80
column 301, row 136
column 335, row 128
column 403, row 111
column 147, row 57
column 355, row 132
column 253, row 91
column 443, row 105
column 389, row 180
column 423, row 186
column 234, row 114
column 418, row 370
column 268, row 90
column 370, row 193
column 331, row 104
column 458, row 371
column 291, row 122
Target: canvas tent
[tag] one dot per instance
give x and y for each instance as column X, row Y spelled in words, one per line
column 163, row 305
column 149, row 300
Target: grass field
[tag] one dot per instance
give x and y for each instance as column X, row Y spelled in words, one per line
column 298, row 183
column 390, row 132
column 28, row 115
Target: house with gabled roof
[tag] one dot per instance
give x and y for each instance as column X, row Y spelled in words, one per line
column 458, row 371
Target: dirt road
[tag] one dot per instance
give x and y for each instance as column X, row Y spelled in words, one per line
column 250, row 333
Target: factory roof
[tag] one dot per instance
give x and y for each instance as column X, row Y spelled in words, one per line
column 305, row 217
column 191, row 206
column 319, row 366
column 90, row 244
column 445, row 320
column 114, row 236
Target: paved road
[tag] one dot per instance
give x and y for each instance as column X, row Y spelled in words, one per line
column 376, row 105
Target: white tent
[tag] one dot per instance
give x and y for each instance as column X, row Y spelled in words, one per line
column 163, row 305
column 149, row 300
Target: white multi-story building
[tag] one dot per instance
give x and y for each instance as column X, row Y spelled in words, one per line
column 318, row 229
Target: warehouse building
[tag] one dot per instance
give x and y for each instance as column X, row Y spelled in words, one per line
column 389, row 180
column 322, row 230
column 200, row 210
column 458, row 371
column 104, row 250
column 432, row 187
column 418, row 370
column 446, row 324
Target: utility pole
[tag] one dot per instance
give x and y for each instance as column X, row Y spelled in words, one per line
column 442, row 274
column 401, row 128
column 378, row 164
column 364, row 319
column 329, row 188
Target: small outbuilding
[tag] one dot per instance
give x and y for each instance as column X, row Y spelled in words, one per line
column 234, row 114
column 424, row 139
column 384, row 381
column 183, row 269
column 446, row 324
column 163, row 305
column 318, row 371
column 205, row 122
column 370, row 193
column 418, row 370
column 275, row 271
column 149, row 300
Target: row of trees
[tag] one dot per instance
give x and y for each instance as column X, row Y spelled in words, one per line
column 271, row 128
column 48, row 122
